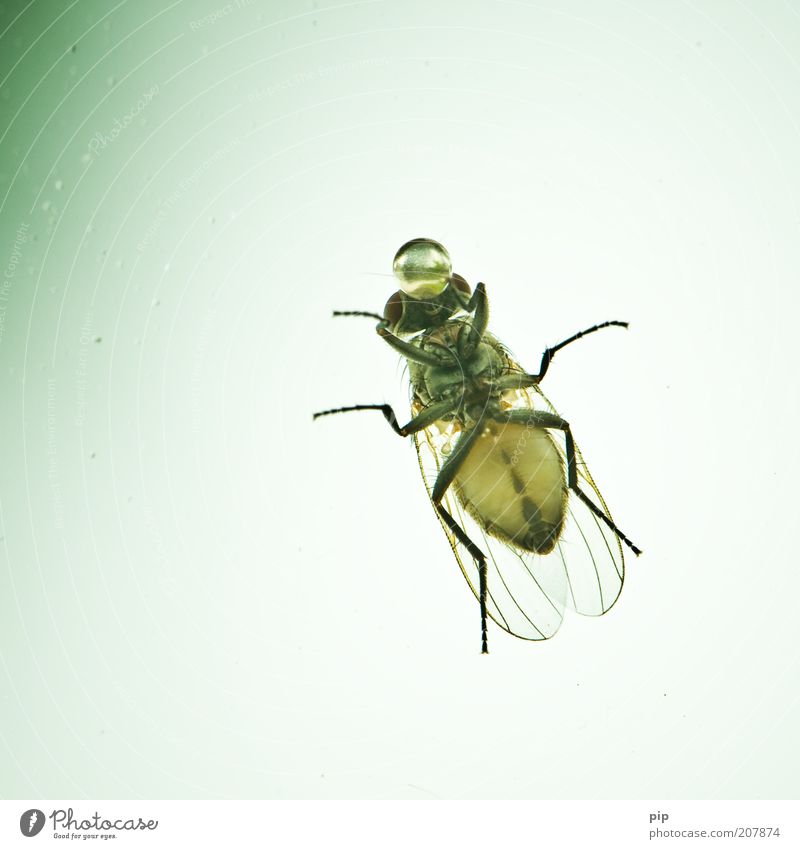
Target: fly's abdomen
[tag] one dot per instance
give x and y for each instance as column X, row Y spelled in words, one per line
column 512, row 483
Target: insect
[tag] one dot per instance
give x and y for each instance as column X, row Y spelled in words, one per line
column 523, row 515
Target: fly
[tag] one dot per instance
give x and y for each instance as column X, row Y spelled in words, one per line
column 523, row 515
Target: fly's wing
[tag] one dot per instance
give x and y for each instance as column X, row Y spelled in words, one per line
column 527, row 592
column 591, row 553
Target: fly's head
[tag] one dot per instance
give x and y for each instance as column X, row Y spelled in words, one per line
column 446, row 321
column 429, row 293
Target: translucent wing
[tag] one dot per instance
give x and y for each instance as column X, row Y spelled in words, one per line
column 527, row 592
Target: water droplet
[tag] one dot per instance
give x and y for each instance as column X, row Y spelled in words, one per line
column 59, row 184
column 423, row 268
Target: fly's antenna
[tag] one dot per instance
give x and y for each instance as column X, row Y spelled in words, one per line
column 358, row 312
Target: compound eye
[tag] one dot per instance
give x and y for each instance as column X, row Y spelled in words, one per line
column 393, row 311
column 461, row 284
column 423, row 268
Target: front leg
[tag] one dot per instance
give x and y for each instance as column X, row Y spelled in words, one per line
column 472, row 333
column 432, row 413
column 521, row 381
column 413, row 353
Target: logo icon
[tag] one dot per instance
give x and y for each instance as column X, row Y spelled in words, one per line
column 31, row 822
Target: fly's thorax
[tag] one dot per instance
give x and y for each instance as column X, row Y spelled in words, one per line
column 437, row 383
column 488, row 356
column 463, row 379
column 447, row 381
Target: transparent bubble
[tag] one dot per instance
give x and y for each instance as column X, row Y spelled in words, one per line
column 423, row 268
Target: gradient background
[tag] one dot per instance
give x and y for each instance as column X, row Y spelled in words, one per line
column 203, row 594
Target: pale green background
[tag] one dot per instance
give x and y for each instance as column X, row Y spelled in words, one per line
column 203, row 594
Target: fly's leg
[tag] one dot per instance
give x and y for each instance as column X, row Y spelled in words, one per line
column 470, row 334
column 445, row 477
column 361, row 313
column 480, row 560
column 412, row 352
column 520, row 381
column 447, row 473
column 432, row 413
column 534, row 418
column 547, row 356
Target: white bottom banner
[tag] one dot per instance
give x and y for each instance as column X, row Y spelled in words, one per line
column 484, row 824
